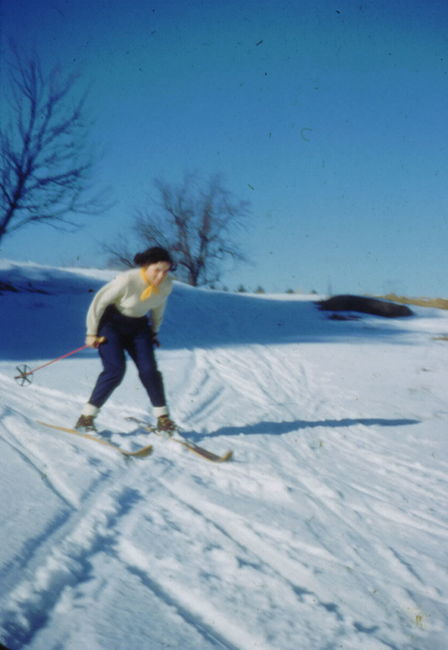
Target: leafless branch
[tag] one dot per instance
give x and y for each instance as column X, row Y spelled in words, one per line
column 45, row 169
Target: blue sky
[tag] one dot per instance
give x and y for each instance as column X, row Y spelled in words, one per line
column 330, row 117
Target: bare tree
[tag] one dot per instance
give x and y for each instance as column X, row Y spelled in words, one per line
column 44, row 167
column 197, row 221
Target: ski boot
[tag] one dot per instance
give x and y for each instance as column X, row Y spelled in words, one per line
column 86, row 424
column 165, row 426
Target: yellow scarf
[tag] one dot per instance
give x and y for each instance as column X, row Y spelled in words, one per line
column 150, row 288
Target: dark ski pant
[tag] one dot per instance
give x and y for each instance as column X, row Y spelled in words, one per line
column 134, row 336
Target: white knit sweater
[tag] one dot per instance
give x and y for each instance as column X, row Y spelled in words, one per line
column 124, row 292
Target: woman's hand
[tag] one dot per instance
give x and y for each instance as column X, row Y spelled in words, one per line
column 94, row 341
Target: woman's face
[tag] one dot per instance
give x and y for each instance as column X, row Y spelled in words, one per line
column 156, row 273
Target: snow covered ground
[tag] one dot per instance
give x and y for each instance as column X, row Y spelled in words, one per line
column 328, row 530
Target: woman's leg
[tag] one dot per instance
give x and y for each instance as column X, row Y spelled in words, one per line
column 114, row 366
column 142, row 352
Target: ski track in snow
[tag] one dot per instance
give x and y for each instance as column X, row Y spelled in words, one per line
column 326, row 531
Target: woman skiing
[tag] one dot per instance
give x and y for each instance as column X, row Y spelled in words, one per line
column 117, row 322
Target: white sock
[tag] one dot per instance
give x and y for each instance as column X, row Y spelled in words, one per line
column 160, row 410
column 90, row 409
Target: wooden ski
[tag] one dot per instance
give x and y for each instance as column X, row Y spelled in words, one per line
column 191, row 446
column 139, row 453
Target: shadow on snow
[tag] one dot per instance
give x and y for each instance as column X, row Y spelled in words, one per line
column 46, row 325
column 282, row 428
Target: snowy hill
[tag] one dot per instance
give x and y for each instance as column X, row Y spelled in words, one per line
column 328, row 530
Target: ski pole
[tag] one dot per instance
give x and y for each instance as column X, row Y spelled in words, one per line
column 26, row 372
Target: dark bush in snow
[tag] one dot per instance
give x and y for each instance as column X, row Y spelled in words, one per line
column 365, row 305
